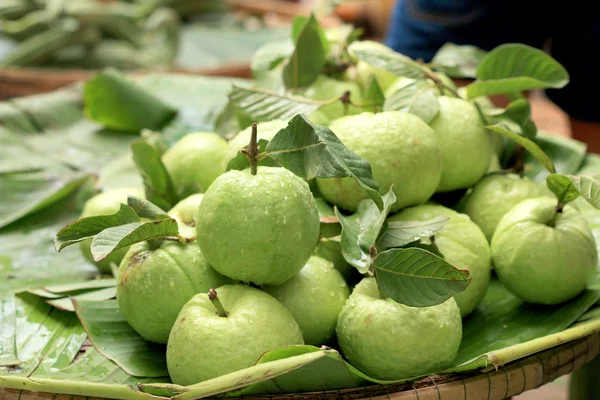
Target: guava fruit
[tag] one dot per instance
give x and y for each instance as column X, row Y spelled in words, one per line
column 185, row 213
column 495, row 195
column 325, row 88
column 387, row 340
column 204, row 345
column 465, row 144
column 331, row 250
column 384, row 78
column 258, row 228
column 265, row 130
column 315, row 297
column 542, row 256
column 195, row 161
column 106, row 203
column 402, row 150
column 154, row 283
column 462, row 244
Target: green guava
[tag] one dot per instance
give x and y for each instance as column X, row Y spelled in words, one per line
column 466, row 146
column 153, row 285
column 195, row 161
column 315, row 297
column 402, row 150
column 205, row 345
column 106, row 203
column 186, row 213
column 387, row 340
column 462, row 244
column 384, row 78
column 495, row 195
column 542, row 256
column 265, row 130
column 331, row 250
column 258, row 228
column 325, row 88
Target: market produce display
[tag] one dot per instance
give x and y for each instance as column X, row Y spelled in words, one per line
column 348, row 218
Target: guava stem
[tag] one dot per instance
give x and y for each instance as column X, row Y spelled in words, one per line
column 519, row 165
column 214, row 299
column 253, row 150
column 557, row 210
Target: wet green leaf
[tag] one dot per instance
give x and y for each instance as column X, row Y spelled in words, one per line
column 308, row 59
column 115, row 338
column 145, row 209
column 66, row 304
column 361, row 230
column 417, row 277
column 517, row 115
column 515, row 68
column 8, row 355
column 118, row 103
column 377, row 55
column 313, row 151
column 401, row 233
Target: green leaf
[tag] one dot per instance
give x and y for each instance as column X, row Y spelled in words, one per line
column 515, row 68
column 157, row 182
column 588, row 187
column 563, row 188
column 77, row 287
column 66, row 303
column 326, row 212
column 300, row 22
column 85, row 228
column 527, row 144
column 240, row 161
column 117, row 237
column 566, row 154
column 373, row 96
column 269, row 57
column 518, row 115
column 263, row 105
column 380, row 56
column 145, row 209
column 418, row 278
column 308, row 59
column 361, row 230
column 313, row 151
column 401, row 233
column 112, row 336
column 118, row 103
column 417, row 97
column 458, row 61
column 8, row 355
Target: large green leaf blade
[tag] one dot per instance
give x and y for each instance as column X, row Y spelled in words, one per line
column 417, row 277
column 514, row 68
column 401, row 233
column 313, row 151
column 115, row 338
column 308, row 59
column 378, row 55
column 8, row 355
column 117, row 103
column 588, row 187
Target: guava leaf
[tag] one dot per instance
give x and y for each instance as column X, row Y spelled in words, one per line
column 517, row 115
column 515, row 68
column 527, row 144
column 269, row 57
column 8, row 320
column 401, row 233
column 380, row 56
column 326, row 212
column 361, row 230
column 373, row 96
column 299, row 24
column 112, row 336
column 66, row 303
column 313, row 151
column 84, row 228
column 417, row 277
column 458, row 61
column 264, row 105
column 117, row 237
column 118, row 103
column 240, row 161
column 588, row 187
column 417, row 97
column 563, row 188
column 308, row 59
column 145, row 209
column 78, row 287
column 566, row 154
column 157, row 182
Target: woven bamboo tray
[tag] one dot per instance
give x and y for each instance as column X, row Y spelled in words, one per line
column 495, row 384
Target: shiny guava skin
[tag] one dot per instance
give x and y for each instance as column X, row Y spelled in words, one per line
column 264, row 130
column 315, row 297
column 195, row 161
column 203, row 345
column 106, row 203
column 331, row 250
column 466, row 146
column 154, row 284
column 387, row 340
column 401, row 149
column 540, row 263
column 258, row 228
column 495, row 195
column 187, row 209
column 462, row 244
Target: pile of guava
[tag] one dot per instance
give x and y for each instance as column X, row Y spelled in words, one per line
column 261, row 264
